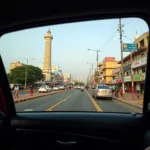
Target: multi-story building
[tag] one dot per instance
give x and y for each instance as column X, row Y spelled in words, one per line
column 136, row 63
column 15, row 64
column 55, row 68
column 101, row 72
column 67, row 77
column 106, row 68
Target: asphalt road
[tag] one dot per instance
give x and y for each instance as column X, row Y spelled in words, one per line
column 74, row 100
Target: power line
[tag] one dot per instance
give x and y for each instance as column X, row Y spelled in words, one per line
column 111, row 32
column 129, row 21
column 109, row 39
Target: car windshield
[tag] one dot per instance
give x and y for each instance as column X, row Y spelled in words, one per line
column 43, row 86
column 103, row 87
column 95, row 54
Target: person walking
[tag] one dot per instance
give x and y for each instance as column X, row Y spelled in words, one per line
column 113, row 89
column 116, row 90
column 31, row 90
column 16, row 90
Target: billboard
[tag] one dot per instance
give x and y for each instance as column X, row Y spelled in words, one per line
column 129, row 47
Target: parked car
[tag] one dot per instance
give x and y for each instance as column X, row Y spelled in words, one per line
column 62, row 87
column 102, row 91
column 55, row 88
column 45, row 88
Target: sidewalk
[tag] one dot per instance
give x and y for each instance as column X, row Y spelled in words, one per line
column 26, row 97
column 127, row 98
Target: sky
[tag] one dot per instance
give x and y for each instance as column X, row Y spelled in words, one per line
column 70, row 43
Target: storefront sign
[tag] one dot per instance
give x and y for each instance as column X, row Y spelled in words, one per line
column 127, row 79
column 140, row 77
column 118, row 80
column 139, row 63
column 143, row 76
column 137, row 78
column 109, row 59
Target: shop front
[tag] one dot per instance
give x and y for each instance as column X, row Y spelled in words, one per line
column 139, row 82
column 128, row 84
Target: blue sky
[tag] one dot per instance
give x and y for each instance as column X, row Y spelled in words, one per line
column 70, row 43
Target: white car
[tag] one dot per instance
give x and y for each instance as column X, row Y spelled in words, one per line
column 102, row 91
column 45, row 88
column 55, row 88
column 62, row 87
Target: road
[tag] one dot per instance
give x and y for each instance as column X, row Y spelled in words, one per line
column 74, row 100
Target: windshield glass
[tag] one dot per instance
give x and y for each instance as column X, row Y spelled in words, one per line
column 103, row 87
column 97, row 54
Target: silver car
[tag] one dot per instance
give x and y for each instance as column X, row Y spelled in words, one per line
column 102, row 91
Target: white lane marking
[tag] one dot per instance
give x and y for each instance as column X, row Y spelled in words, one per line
column 28, row 109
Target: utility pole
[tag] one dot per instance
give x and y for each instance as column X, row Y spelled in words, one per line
column 120, row 31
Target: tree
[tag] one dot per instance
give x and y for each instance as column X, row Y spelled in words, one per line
column 17, row 75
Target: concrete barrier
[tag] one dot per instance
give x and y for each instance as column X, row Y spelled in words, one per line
column 26, row 98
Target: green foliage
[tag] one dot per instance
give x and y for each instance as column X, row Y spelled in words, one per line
column 17, row 75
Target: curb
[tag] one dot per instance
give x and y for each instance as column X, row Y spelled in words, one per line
column 140, row 107
column 29, row 98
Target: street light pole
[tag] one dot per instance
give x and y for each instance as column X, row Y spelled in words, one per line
column 97, row 51
column 26, row 73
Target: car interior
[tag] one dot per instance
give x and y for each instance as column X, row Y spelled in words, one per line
column 69, row 130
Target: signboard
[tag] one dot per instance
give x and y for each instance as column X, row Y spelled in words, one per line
column 127, row 79
column 109, row 59
column 139, row 63
column 137, row 78
column 129, row 47
column 140, row 77
column 118, row 80
column 143, row 76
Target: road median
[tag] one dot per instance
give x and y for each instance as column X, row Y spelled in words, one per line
column 36, row 95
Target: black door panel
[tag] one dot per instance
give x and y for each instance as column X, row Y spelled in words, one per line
column 57, row 130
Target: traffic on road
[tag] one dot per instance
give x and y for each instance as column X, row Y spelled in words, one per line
column 75, row 99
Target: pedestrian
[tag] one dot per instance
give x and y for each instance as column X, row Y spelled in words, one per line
column 116, row 90
column 138, row 94
column 113, row 89
column 16, row 90
column 31, row 90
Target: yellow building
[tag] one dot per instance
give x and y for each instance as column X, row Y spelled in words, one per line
column 106, row 69
column 15, row 64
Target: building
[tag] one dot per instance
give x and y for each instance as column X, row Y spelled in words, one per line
column 136, row 64
column 101, row 72
column 106, row 68
column 67, row 77
column 47, row 56
column 15, row 64
column 55, row 68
